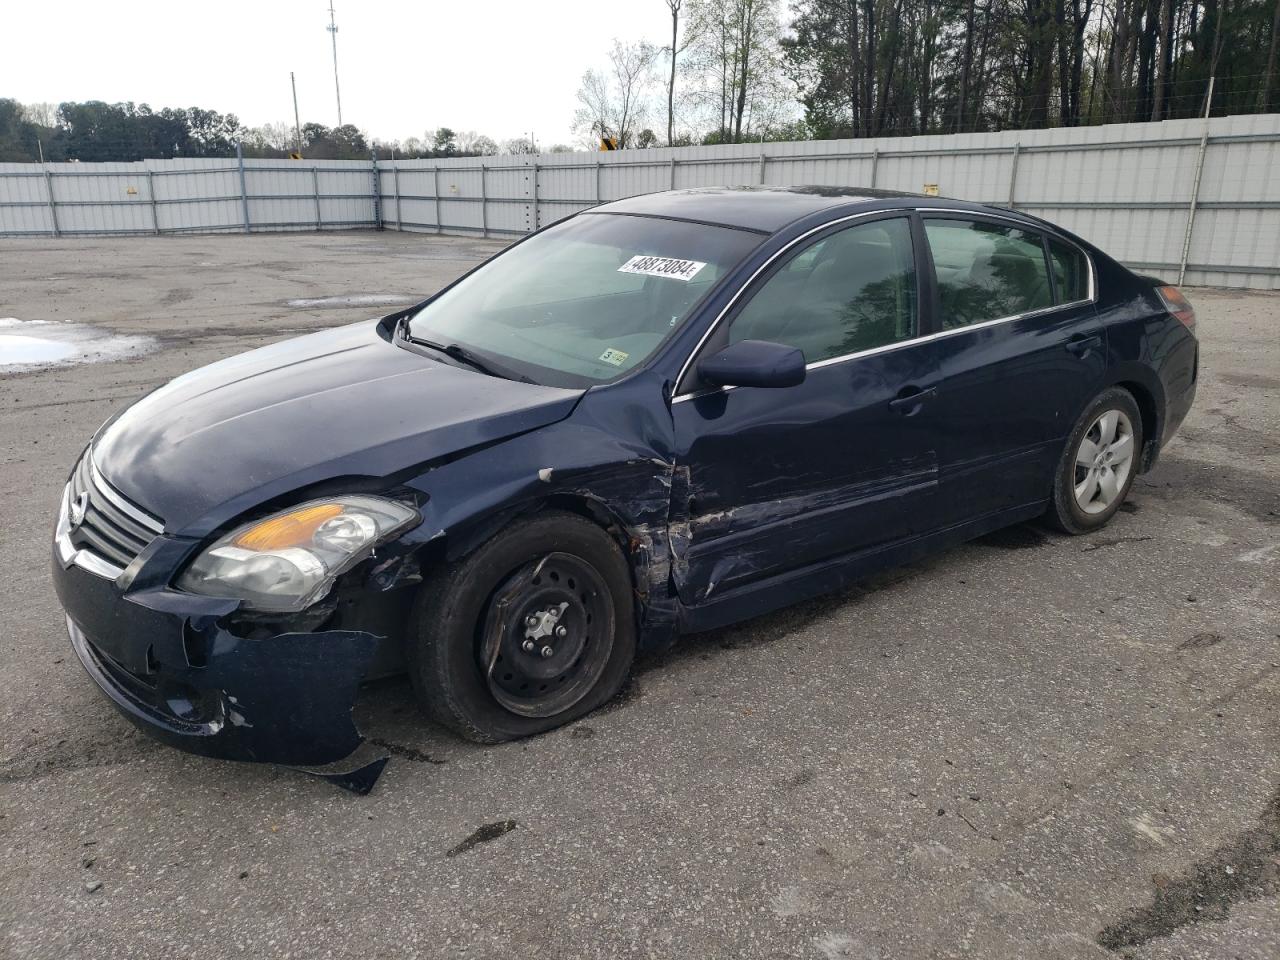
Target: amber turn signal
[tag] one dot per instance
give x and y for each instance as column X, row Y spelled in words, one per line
column 1178, row 305
column 290, row 530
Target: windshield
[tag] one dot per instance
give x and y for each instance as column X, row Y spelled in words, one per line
column 584, row 301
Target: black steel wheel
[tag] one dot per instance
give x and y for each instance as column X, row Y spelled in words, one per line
column 548, row 636
column 533, row 629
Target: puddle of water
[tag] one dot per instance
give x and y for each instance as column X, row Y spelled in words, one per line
column 19, row 349
column 355, row 300
column 31, row 344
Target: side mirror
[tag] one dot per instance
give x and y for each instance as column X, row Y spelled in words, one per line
column 754, row 363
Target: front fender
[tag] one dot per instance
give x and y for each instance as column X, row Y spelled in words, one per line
column 614, row 455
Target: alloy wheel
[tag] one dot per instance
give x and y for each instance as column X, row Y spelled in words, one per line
column 1104, row 461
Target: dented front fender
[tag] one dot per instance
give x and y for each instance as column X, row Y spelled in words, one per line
column 614, row 457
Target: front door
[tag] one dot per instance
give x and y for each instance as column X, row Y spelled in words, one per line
column 780, row 479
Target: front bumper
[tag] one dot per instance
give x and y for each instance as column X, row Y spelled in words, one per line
column 171, row 665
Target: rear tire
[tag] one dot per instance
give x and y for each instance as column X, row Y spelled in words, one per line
column 477, row 652
column 1098, row 464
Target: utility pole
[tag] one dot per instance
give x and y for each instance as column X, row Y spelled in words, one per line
column 333, row 33
column 1195, row 186
column 297, row 124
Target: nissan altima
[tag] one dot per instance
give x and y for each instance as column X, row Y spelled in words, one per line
column 658, row 416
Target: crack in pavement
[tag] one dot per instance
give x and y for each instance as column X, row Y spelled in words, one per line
column 1113, row 542
column 405, row 752
column 23, row 767
column 96, row 398
column 1079, row 787
column 1246, row 867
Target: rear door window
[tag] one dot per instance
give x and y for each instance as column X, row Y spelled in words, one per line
column 986, row 271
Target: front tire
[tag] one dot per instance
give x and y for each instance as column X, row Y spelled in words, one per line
column 1098, row 463
column 530, row 631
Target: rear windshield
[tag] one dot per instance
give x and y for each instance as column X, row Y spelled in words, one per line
column 586, row 300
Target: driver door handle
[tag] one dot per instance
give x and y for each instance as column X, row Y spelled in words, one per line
column 911, row 399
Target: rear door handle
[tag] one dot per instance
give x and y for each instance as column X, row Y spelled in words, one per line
column 910, row 399
column 1081, row 344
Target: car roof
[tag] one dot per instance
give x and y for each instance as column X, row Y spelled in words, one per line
column 766, row 209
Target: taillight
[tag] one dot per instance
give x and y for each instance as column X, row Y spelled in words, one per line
column 1178, row 305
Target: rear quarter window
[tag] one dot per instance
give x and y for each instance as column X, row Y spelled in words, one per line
column 1070, row 271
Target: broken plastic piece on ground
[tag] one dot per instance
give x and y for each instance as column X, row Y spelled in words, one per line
column 357, row 772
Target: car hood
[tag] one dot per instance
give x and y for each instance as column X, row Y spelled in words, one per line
column 341, row 403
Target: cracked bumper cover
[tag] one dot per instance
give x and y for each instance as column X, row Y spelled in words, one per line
column 168, row 666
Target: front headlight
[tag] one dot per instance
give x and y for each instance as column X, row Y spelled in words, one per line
column 289, row 560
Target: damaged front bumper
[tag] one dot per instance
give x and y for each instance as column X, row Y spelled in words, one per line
column 171, row 665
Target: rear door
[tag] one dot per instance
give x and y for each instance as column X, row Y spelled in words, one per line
column 1020, row 351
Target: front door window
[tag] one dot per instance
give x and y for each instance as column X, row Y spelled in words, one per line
column 851, row 291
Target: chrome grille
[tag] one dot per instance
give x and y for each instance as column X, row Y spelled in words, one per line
column 111, row 530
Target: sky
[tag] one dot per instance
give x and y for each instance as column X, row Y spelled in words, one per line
column 499, row 67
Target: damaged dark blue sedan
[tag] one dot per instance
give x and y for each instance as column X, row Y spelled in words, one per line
column 658, row 416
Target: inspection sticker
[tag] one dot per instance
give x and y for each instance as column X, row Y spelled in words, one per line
column 615, row 357
column 684, row 270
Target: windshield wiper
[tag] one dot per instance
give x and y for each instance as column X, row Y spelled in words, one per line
column 458, row 352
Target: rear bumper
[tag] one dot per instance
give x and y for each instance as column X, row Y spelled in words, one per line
column 1180, row 404
column 169, row 665
column 1179, row 378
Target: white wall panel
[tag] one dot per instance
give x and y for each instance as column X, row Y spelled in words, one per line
column 1124, row 187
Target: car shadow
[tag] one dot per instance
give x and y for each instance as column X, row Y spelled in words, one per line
column 388, row 715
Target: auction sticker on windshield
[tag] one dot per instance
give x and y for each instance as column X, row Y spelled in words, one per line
column 684, row 270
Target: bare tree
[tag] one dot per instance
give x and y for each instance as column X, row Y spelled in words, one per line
column 518, row 145
column 675, row 6
column 592, row 118
column 1164, row 66
column 738, row 55
column 270, row 137
column 1268, row 78
column 41, row 114
column 469, row 141
column 614, row 101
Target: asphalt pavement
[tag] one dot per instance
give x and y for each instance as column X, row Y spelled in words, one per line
column 1030, row 746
